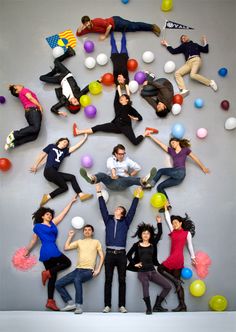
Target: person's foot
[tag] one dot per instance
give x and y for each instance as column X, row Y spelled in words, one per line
column 70, row 51
column 44, row 199
column 156, row 30
column 152, row 130
column 9, row 146
column 84, row 197
column 75, row 129
column 51, row 304
column 181, row 307
column 78, row 310
column 106, row 309
column 45, row 276
column 148, row 178
column 123, row 310
column 10, row 138
column 149, row 75
column 213, row 85
column 89, row 178
column 69, row 307
column 162, row 210
column 184, row 92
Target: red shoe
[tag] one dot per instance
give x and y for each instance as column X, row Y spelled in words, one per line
column 51, row 304
column 152, row 130
column 75, row 129
column 45, row 276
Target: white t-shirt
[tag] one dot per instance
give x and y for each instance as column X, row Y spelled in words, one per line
column 122, row 167
column 66, row 89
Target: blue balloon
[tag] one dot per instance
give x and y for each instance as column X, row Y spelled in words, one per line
column 125, row 1
column 223, row 71
column 186, row 273
column 198, row 103
column 178, row 131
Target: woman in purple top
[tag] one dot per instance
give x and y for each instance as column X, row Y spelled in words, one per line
column 179, row 149
column 45, row 229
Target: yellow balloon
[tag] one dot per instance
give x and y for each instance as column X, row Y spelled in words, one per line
column 158, row 200
column 218, row 303
column 197, row 288
column 85, row 100
column 166, row 5
column 140, row 195
column 95, row 88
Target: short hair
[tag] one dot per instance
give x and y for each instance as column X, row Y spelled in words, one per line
column 88, row 226
column 123, row 212
column 85, row 19
column 13, row 90
column 118, row 147
column 162, row 114
column 37, row 216
column 187, row 223
column 62, row 139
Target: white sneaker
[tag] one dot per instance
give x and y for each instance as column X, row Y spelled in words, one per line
column 78, row 310
column 106, row 309
column 10, row 138
column 213, row 85
column 123, row 310
column 69, row 307
column 148, row 178
column 9, row 146
column 184, row 92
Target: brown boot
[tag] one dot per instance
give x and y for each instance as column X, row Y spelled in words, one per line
column 156, row 30
column 45, row 276
column 51, row 304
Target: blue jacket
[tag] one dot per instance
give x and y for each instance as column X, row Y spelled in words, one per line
column 188, row 49
column 119, row 238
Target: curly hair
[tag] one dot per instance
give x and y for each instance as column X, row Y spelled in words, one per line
column 37, row 216
column 184, row 143
column 143, row 227
column 187, row 223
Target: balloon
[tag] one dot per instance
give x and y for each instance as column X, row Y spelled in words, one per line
column 218, row 303
column 178, row 99
column 89, row 62
column 77, row 222
column 5, row 164
column 90, row 111
column 202, row 132
column 198, row 103
column 89, row 46
column 2, row 100
column 132, row 64
column 230, row 123
column 225, row 105
column 133, row 86
column 197, row 288
column 158, row 200
column 140, row 77
column 85, row 100
column 57, row 51
column 136, row 192
column 166, row 5
column 95, row 88
column 176, row 109
column 169, row 67
column 178, row 131
column 125, row 2
column 148, row 57
column 108, row 79
column 105, row 195
column 87, row 161
column 102, row 59
column 223, row 72
column 186, row 273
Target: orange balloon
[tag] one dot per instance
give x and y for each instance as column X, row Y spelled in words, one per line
column 132, row 64
column 108, row 79
column 5, row 164
column 178, row 99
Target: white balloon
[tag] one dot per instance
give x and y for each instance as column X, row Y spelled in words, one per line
column 148, row 57
column 133, row 86
column 169, row 67
column 57, row 51
column 230, row 123
column 89, row 62
column 176, row 109
column 105, row 195
column 102, row 59
column 77, row 222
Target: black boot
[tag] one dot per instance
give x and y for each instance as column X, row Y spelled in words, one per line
column 177, row 282
column 157, row 306
column 148, row 305
column 69, row 52
column 182, row 306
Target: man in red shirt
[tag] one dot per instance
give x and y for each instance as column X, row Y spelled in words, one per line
column 115, row 23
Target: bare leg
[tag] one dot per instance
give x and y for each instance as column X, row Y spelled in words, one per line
column 77, row 131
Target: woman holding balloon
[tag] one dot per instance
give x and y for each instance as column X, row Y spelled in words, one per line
column 178, row 149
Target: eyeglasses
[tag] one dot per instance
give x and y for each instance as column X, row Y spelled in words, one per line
column 121, row 154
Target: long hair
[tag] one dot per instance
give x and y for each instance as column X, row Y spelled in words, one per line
column 37, row 216
column 63, row 139
column 184, row 143
column 128, row 98
column 143, row 227
column 187, row 223
column 13, row 91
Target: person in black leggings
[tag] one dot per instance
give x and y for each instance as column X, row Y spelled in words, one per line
column 143, row 259
column 55, row 154
column 45, row 229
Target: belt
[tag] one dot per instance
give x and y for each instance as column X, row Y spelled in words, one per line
column 31, row 109
column 115, row 251
column 193, row 56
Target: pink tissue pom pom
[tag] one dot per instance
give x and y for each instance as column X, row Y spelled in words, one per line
column 21, row 262
column 203, row 262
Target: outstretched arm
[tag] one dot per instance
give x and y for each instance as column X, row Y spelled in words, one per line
column 199, row 163
column 68, row 241
column 78, row 145
column 190, row 248
column 42, row 156
column 102, row 204
column 31, row 244
column 172, row 50
column 60, row 217
column 159, row 228
column 168, row 220
column 130, row 215
column 162, row 145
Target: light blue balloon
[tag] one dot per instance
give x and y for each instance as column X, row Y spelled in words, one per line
column 178, row 131
column 198, row 103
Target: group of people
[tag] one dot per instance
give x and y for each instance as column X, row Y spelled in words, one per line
column 122, row 172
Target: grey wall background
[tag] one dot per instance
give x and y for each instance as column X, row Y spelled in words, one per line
column 208, row 199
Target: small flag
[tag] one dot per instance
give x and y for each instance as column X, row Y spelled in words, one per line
column 174, row 25
column 63, row 39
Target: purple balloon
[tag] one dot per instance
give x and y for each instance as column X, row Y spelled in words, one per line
column 90, row 111
column 2, row 99
column 89, row 46
column 87, row 161
column 140, row 77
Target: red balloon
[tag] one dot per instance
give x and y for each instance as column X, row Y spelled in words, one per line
column 225, row 105
column 108, row 79
column 5, row 164
column 132, row 64
column 178, row 99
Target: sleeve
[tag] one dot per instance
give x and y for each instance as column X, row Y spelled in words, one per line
column 62, row 102
column 103, row 209
column 159, row 234
column 130, row 254
column 74, row 245
column 151, row 101
column 99, row 246
column 170, row 150
column 83, row 32
column 188, row 151
column 116, row 102
column 156, row 84
column 67, row 152
column 110, row 163
column 35, row 229
column 204, row 49
column 132, row 111
column 168, row 220
column 176, row 50
column 190, row 245
column 130, row 215
column 133, row 165
column 84, row 91
column 48, row 148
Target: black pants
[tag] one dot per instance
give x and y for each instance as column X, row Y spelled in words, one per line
column 117, row 128
column 54, row 265
column 60, row 179
column 112, row 260
column 29, row 133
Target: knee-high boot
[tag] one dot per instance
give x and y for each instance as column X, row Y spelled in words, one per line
column 148, row 305
column 182, row 306
column 177, row 282
column 157, row 306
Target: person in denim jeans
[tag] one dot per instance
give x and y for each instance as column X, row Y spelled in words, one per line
column 88, row 249
column 179, row 149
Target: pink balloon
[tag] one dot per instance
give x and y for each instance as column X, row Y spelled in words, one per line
column 202, row 132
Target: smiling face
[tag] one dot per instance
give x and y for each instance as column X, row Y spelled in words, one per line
column 184, row 39
column 177, row 225
column 120, row 155
column 88, row 232
column 123, row 100
column 63, row 144
column 74, row 101
column 47, row 217
column 146, row 236
column 121, row 79
column 174, row 144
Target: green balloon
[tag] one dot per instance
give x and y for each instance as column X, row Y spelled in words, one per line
column 218, row 303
